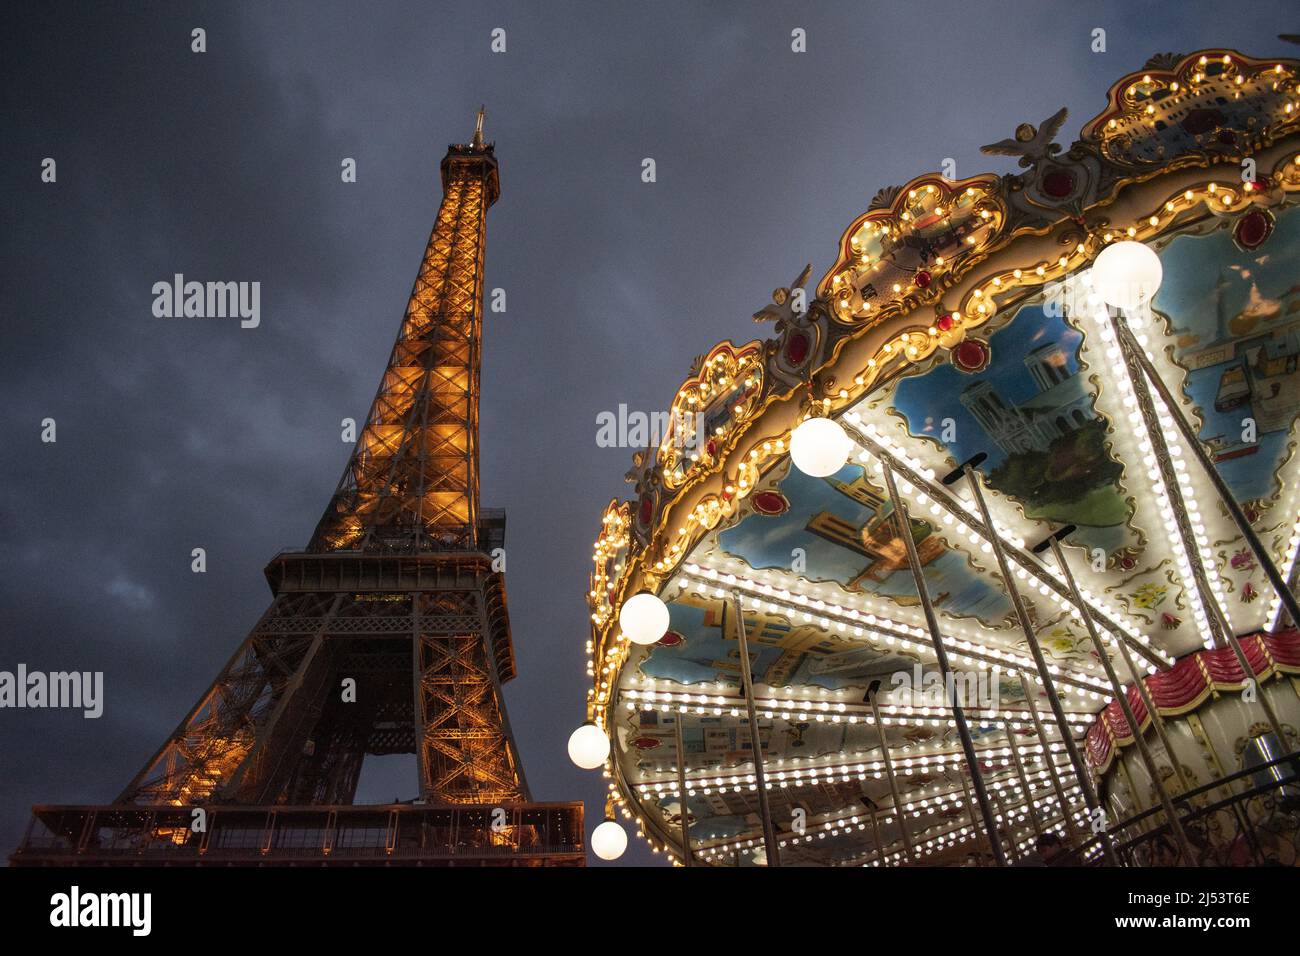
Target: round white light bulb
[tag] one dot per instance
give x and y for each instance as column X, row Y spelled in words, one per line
column 609, row 840
column 1127, row 274
column 819, row 447
column 643, row 618
column 588, row 746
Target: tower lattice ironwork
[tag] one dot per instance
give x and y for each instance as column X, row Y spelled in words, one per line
column 388, row 634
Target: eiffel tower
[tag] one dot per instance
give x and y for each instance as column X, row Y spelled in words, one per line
column 388, row 634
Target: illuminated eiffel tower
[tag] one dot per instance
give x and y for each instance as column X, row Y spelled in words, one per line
column 387, row 634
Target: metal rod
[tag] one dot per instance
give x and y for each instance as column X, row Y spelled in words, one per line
column 1024, row 780
column 1216, row 621
column 1157, row 721
column 1052, row 773
column 756, row 746
column 989, row 830
column 1011, row 833
column 875, row 830
column 904, row 522
column 1116, row 810
column 950, row 502
column 889, row 772
column 1146, row 824
column 1208, row 744
column 1136, row 356
column 1120, row 695
column 1022, row 615
column 1229, row 502
column 681, row 792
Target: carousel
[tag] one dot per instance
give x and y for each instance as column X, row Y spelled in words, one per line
column 987, row 555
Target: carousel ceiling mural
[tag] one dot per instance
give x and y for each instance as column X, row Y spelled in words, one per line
column 968, row 321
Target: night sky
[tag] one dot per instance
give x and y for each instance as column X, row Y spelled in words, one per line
column 176, row 434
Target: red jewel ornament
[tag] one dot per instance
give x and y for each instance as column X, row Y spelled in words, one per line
column 971, row 356
column 1252, row 229
column 771, row 503
column 646, row 511
column 796, row 348
column 1058, row 183
column 944, row 323
column 922, row 279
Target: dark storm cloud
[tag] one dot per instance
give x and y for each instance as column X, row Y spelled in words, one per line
column 182, row 434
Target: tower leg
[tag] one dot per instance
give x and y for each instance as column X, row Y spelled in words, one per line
column 227, row 726
column 466, row 753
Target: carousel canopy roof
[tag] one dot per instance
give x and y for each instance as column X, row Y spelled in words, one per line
column 959, row 318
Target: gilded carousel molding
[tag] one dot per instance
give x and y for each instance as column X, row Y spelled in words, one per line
column 927, row 275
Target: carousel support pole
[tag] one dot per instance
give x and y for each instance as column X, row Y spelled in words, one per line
column 1157, row 721
column 756, row 746
column 681, row 791
column 1024, row 780
column 1011, row 833
column 967, row 468
column 1116, row 812
column 1053, row 541
column 899, row 817
column 1140, row 372
column 875, row 832
column 1052, row 773
column 904, row 522
column 1242, row 785
column 1134, row 348
column 970, row 814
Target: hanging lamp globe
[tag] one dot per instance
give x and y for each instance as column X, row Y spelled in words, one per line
column 588, row 746
column 819, row 447
column 1127, row 274
column 644, row 618
column 609, row 840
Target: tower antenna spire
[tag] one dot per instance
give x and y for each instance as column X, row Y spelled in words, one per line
column 478, row 128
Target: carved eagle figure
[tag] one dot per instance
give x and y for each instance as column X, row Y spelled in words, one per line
column 1031, row 143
